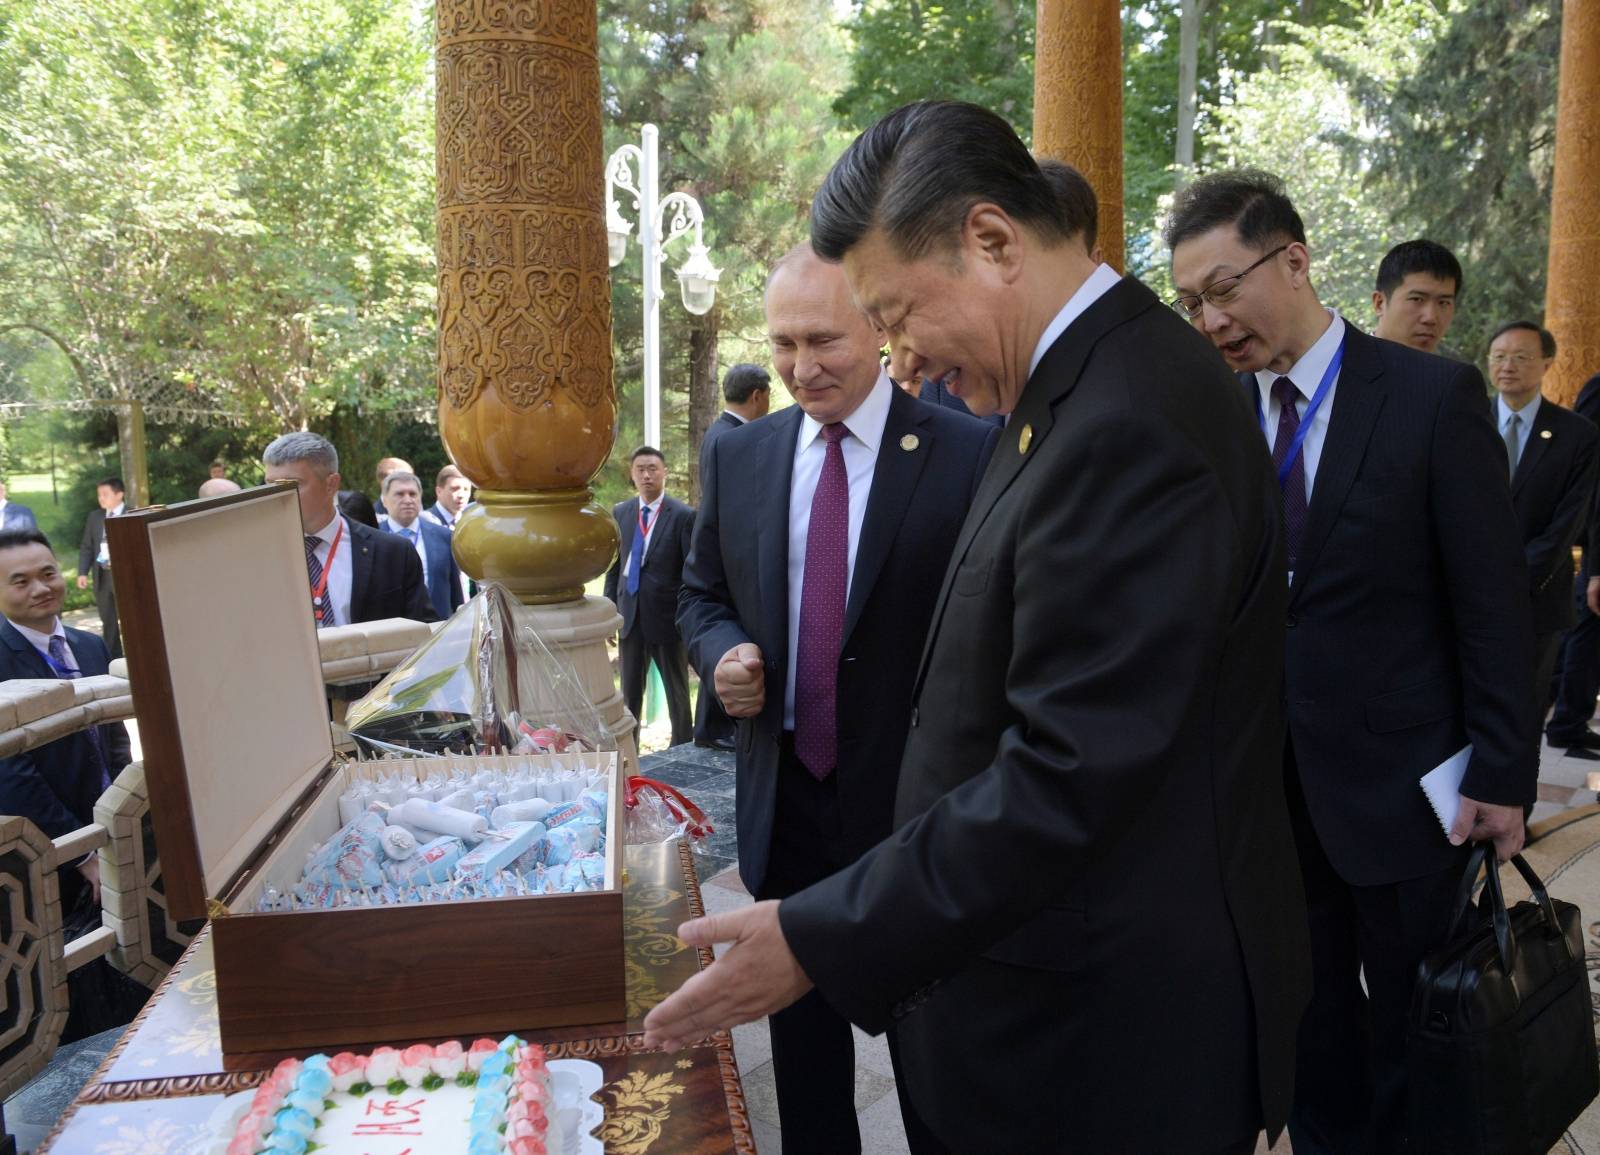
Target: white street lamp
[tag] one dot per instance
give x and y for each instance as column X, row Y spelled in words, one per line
column 661, row 221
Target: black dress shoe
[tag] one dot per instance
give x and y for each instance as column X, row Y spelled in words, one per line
column 1586, row 738
column 1583, row 753
column 715, row 743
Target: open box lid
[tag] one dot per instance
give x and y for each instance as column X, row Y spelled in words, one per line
column 226, row 677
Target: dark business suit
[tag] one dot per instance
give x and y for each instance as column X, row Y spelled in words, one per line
column 385, row 577
column 1409, row 637
column 711, row 721
column 793, row 830
column 1579, row 662
column 1092, row 891
column 442, row 575
column 18, row 517
column 105, row 592
column 1552, row 492
column 649, row 627
column 934, row 393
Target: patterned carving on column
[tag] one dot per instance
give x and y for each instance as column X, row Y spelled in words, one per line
column 527, row 407
column 1572, row 306
column 33, row 978
column 1077, row 101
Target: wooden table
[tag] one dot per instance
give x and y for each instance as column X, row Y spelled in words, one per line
column 158, row 1088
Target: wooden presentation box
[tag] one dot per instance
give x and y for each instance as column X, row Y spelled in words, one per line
column 233, row 718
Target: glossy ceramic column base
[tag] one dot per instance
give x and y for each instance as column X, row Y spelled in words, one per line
column 541, row 546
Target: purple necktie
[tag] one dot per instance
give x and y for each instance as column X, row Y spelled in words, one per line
column 64, row 668
column 822, row 596
column 1294, row 485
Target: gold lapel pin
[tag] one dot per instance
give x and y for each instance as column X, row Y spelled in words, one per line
column 1025, row 439
column 1546, row 434
column 909, row 442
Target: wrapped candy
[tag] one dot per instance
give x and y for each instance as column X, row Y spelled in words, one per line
column 425, row 815
column 351, row 857
column 398, row 842
column 499, row 852
column 435, row 862
column 528, row 810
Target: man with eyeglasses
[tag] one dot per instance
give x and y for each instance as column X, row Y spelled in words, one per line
column 1409, row 634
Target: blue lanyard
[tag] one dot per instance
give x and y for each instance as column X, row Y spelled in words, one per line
column 1311, row 411
column 61, row 671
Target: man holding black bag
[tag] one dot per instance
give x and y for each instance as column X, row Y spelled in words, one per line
column 1409, row 637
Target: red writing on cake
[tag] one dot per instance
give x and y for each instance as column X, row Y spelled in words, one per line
column 397, row 1118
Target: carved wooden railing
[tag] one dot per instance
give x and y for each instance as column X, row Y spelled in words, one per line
column 136, row 934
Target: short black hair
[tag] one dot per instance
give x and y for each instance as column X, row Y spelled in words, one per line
column 1077, row 197
column 1547, row 339
column 1418, row 256
column 1251, row 200
column 915, row 174
column 742, row 380
column 646, row 451
column 12, row 538
column 115, row 484
column 357, row 506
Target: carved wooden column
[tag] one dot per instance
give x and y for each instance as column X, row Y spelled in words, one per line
column 527, row 406
column 1077, row 101
column 1572, row 305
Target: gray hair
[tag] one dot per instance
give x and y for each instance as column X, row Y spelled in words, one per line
column 402, row 475
column 314, row 450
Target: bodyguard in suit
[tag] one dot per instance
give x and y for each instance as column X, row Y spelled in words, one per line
column 747, row 392
column 1409, row 633
column 1579, row 663
column 451, row 493
column 356, row 573
column 94, row 559
column 807, row 597
column 402, row 497
column 14, row 516
column 56, row 785
column 643, row 583
column 1552, row 457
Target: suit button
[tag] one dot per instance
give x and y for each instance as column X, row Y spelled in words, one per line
column 1290, row 621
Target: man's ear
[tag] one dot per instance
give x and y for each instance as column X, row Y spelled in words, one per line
column 1379, row 303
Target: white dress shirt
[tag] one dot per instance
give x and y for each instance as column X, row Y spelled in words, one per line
column 340, row 576
column 1306, row 374
column 1528, row 412
column 860, row 450
column 649, row 531
column 736, row 417
column 104, row 556
column 41, row 642
column 1100, row 282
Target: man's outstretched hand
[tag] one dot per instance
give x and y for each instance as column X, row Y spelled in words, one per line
column 755, row 976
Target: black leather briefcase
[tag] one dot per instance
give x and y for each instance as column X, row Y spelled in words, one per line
column 1501, row 1046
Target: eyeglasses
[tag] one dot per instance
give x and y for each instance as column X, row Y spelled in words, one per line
column 1219, row 292
column 1517, row 359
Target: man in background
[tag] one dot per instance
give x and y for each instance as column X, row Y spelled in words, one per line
column 14, row 516
column 643, row 583
column 402, row 496
column 1419, row 283
column 356, row 573
column 94, row 560
column 747, row 391
column 217, row 469
column 386, row 466
column 1578, row 674
column 218, row 487
column 451, row 492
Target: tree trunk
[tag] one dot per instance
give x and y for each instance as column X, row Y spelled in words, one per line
column 702, row 391
column 1188, row 63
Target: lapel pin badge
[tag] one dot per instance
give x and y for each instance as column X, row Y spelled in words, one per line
column 1025, row 439
column 1546, row 434
column 909, row 442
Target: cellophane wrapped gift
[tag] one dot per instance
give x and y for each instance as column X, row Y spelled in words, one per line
column 485, row 683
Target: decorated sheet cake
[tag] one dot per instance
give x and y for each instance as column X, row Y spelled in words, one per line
column 488, row 1099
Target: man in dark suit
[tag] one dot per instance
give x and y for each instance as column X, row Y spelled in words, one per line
column 1551, row 453
column 402, row 497
column 1409, row 633
column 643, row 583
column 824, row 688
column 747, row 391
column 94, row 560
column 14, row 516
column 1578, row 679
column 55, row 785
column 451, row 492
column 356, row 573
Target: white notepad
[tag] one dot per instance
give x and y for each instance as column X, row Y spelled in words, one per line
column 1442, row 785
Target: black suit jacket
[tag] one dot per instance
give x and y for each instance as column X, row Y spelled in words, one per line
column 725, row 421
column 1410, row 625
column 57, row 785
column 1551, row 492
column 736, row 589
column 653, row 610
column 385, row 577
column 94, row 532
column 934, row 393
column 1587, row 406
column 1093, row 888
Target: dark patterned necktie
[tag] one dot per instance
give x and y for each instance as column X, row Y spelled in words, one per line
column 636, row 554
column 322, row 607
column 1294, row 485
column 64, row 666
column 822, row 598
